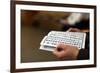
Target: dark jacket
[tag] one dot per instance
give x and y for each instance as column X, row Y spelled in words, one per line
column 84, row 53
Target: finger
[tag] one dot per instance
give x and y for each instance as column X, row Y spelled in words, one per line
column 69, row 29
column 57, row 50
column 73, row 30
column 61, row 46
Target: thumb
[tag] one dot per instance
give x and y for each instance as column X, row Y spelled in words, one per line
column 61, row 47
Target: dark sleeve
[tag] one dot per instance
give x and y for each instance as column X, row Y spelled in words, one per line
column 84, row 53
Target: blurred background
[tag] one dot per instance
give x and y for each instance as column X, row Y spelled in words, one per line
column 36, row 24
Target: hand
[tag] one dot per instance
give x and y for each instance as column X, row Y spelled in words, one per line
column 74, row 30
column 66, row 52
